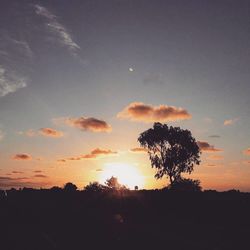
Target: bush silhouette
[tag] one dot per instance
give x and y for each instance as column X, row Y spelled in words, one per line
column 185, row 184
column 70, row 187
column 95, row 187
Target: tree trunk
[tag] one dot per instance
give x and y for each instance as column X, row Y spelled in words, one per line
column 171, row 180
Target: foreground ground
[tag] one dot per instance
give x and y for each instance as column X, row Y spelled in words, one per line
column 49, row 220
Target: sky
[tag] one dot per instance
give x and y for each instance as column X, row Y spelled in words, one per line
column 80, row 80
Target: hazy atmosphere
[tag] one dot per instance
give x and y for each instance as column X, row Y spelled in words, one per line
column 80, row 80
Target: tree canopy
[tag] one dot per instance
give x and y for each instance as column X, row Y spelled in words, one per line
column 70, row 187
column 172, row 150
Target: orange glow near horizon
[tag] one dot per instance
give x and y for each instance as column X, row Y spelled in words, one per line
column 127, row 174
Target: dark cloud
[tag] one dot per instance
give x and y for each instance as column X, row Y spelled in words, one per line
column 37, row 171
column 138, row 111
column 17, row 172
column 22, row 157
column 99, row 170
column 40, row 176
column 88, row 124
column 206, row 147
column 50, row 132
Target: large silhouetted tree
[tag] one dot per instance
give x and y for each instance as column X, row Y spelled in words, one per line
column 172, row 150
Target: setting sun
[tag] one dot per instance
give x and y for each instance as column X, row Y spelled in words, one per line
column 127, row 174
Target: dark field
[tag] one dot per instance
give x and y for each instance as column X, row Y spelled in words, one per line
column 46, row 220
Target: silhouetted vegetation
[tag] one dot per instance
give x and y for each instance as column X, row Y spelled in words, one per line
column 144, row 219
column 95, row 187
column 186, row 185
column 110, row 216
column 70, row 187
column 172, row 151
column 113, row 184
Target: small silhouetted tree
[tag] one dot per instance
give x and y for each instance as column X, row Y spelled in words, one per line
column 70, row 187
column 113, row 184
column 94, row 187
column 172, row 150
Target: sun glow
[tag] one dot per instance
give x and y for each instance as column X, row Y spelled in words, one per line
column 127, row 174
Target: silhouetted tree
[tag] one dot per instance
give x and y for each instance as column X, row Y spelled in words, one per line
column 94, row 187
column 70, row 187
column 113, row 184
column 136, row 188
column 172, row 150
column 186, row 184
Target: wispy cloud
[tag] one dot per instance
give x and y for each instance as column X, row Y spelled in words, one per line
column 17, row 172
column 40, row 176
column 10, row 82
column 230, row 121
column 23, row 46
column 85, row 123
column 215, row 157
column 211, row 165
column 138, row 111
column 138, row 150
column 95, row 153
column 206, row 147
column 214, row 136
column 19, row 182
column 50, row 132
column 29, row 133
column 58, row 29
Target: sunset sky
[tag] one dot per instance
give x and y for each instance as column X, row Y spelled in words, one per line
column 80, row 80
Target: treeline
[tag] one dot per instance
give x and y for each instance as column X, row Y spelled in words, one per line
column 67, row 218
